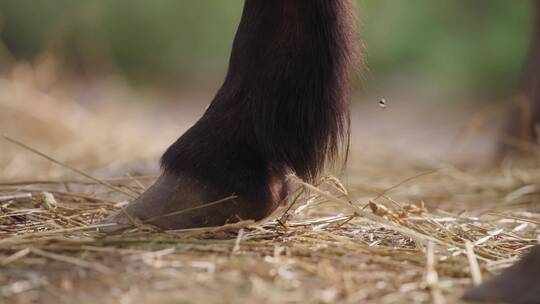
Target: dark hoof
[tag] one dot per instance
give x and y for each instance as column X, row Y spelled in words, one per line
column 519, row 284
column 119, row 222
column 179, row 202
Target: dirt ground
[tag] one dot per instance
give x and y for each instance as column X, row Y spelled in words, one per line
column 421, row 213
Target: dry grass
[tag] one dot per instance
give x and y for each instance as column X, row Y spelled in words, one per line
column 398, row 234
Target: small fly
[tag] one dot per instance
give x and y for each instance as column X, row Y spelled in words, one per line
column 382, row 103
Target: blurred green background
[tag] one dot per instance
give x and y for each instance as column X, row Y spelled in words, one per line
column 473, row 47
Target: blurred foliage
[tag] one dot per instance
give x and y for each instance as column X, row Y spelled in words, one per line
column 459, row 44
column 478, row 45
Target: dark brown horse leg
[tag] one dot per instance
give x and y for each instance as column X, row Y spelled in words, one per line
column 283, row 108
column 519, row 284
column 523, row 125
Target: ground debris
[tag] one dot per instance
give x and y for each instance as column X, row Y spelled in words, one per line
column 317, row 246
